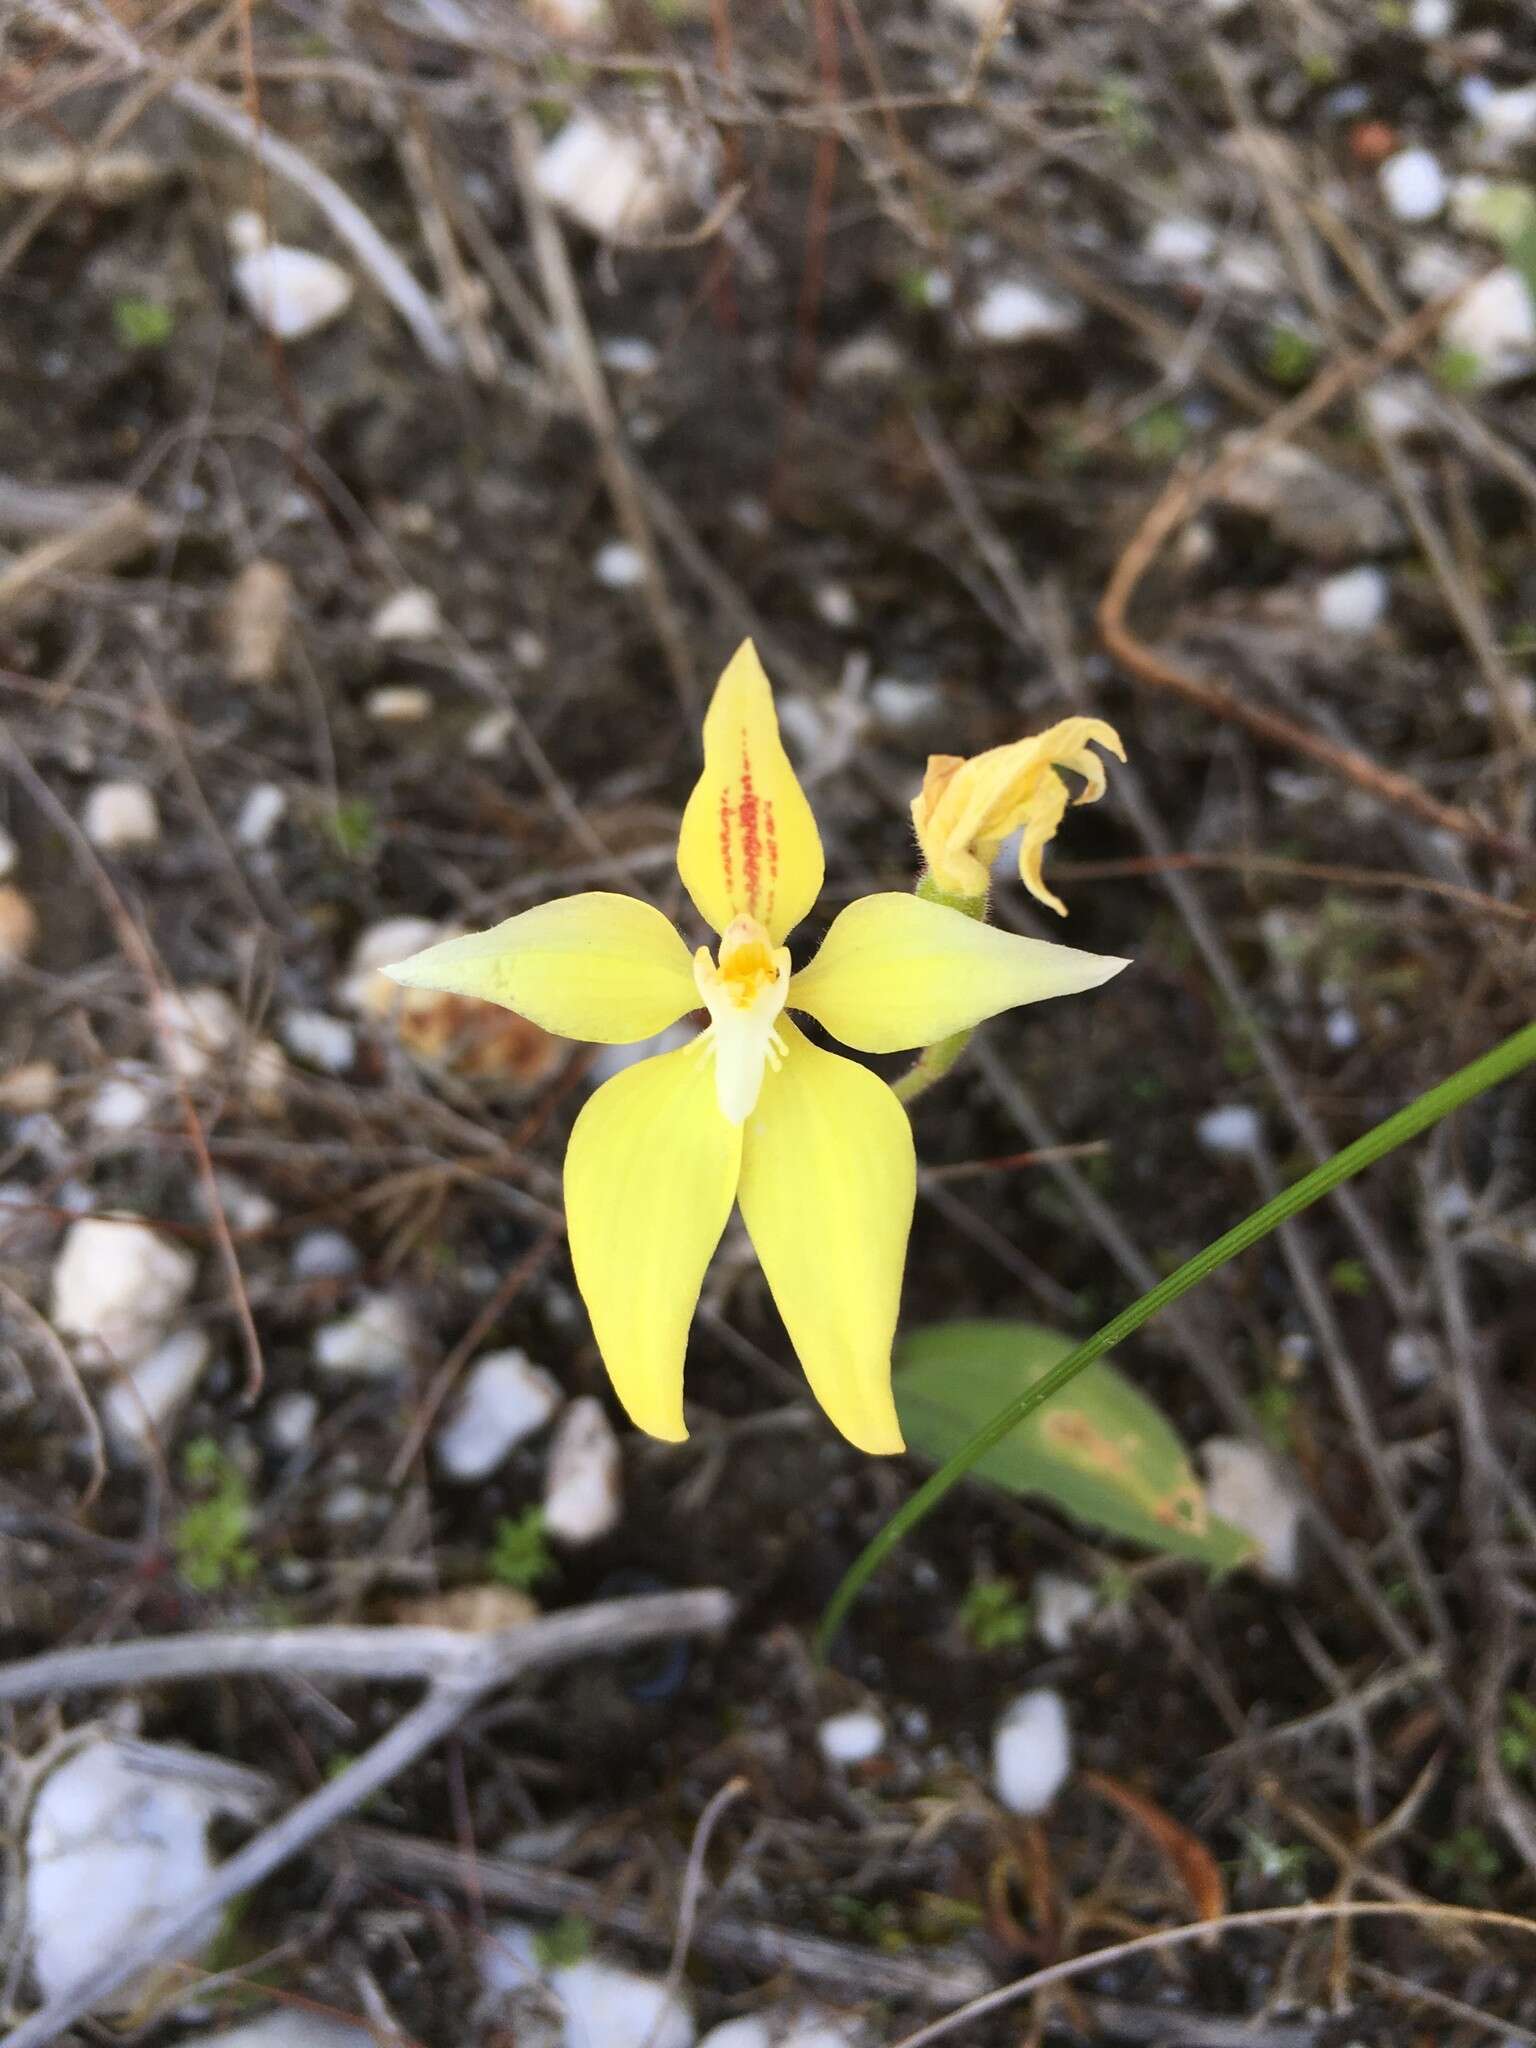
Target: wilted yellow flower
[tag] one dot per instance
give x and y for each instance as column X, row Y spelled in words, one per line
column 815, row 1148
column 968, row 808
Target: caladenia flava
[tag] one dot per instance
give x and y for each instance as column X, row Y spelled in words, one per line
column 816, row 1150
column 966, row 811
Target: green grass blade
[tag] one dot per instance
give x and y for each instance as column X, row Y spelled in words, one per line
column 1458, row 1089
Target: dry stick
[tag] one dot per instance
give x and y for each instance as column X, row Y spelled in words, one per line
column 114, row 532
column 1042, row 626
column 50, row 1341
column 750, row 1944
column 1166, row 1938
column 473, row 1667
column 1241, row 862
column 693, row 1888
column 1184, row 496
column 1483, row 1490
column 136, row 950
column 346, row 218
column 586, row 377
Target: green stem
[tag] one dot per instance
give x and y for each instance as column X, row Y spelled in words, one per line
column 1453, row 1093
column 935, row 1061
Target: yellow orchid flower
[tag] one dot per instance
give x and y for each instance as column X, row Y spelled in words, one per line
column 815, row 1149
column 968, row 808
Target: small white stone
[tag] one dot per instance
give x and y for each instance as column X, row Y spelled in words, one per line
column 411, row 614
column 1495, row 325
column 1341, row 1028
column 1031, row 1751
column 324, row 1255
column 1432, row 19
column 1232, row 1131
column 873, row 358
column 622, row 181
column 851, row 1738
column 367, row 991
column 1061, row 1605
column 374, row 1342
column 290, row 292
column 1399, row 407
column 608, row 2006
column 1180, row 243
column 752, row 2030
column 618, row 566
column 899, row 702
column 1413, row 184
column 198, row 1024
column 121, row 1103
column 1452, row 1204
column 8, row 855
column 346, row 1505
column 1506, row 120
column 265, row 1074
column 120, row 815
column 1413, row 1359
column 319, row 1040
column 289, row 1423
column 117, row 1836
column 630, row 354
column 288, row 2026
column 1354, row 601
column 584, row 1483
column 260, row 815
column 528, row 650
column 1016, row 309
column 1246, row 1487
column 139, row 1409
column 489, row 734
column 504, row 1399
column 117, row 1284
column 836, row 606
column 399, row 704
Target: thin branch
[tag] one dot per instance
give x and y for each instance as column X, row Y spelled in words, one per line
column 475, row 1666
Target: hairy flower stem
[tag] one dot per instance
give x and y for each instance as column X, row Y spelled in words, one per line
column 935, row 1061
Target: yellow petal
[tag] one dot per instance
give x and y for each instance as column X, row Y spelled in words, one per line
column 828, row 1179
column 895, row 972
column 749, row 845
column 650, row 1176
column 609, row 968
column 966, row 809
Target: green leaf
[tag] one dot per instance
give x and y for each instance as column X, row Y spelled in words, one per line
column 142, row 323
column 1100, row 1450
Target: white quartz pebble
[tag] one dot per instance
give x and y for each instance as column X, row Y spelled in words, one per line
column 1494, row 327
column 320, row 1041
column 1413, row 184
column 1231, row 1131
column 1354, row 601
column 852, row 1737
column 117, row 1836
column 290, row 292
column 117, row 1285
column 410, row 614
column 374, row 1342
column 1031, row 1751
column 1016, row 309
column 503, row 1400
column 584, row 1483
column 1246, row 1487
column 119, row 816
column 141, row 1406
